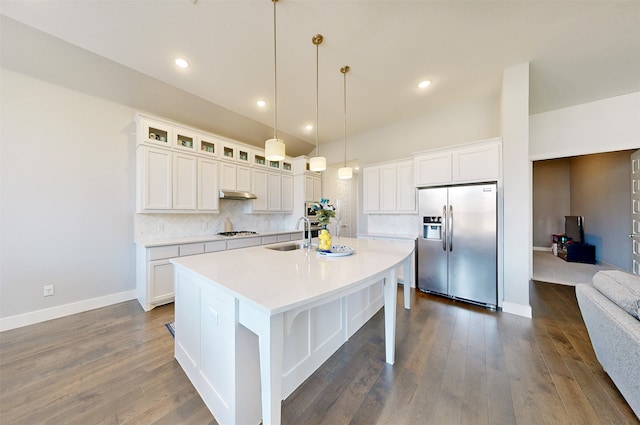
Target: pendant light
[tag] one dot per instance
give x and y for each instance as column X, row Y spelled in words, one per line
column 345, row 172
column 274, row 149
column 317, row 163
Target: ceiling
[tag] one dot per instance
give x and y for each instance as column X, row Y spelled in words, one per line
column 579, row 51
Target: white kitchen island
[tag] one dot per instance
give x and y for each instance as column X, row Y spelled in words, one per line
column 252, row 324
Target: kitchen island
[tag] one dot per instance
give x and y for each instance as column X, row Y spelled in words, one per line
column 253, row 324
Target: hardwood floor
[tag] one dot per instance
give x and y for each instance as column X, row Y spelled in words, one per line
column 455, row 364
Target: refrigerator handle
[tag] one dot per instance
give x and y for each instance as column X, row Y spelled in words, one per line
column 444, row 226
column 450, row 228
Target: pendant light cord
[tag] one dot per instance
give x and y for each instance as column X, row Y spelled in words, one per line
column 275, row 75
column 317, row 98
column 344, row 71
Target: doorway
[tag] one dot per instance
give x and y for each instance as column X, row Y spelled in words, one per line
column 597, row 187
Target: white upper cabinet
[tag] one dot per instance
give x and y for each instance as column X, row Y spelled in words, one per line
column 433, row 169
column 274, row 192
column 208, row 194
column 287, row 193
column 371, row 189
column 154, row 177
column 475, row 162
column 155, row 132
column 184, row 181
column 228, row 176
column 406, row 195
column 479, row 163
column 243, row 180
column 185, row 140
column 180, row 169
column 260, row 189
column 312, row 187
column 235, row 177
column 389, row 188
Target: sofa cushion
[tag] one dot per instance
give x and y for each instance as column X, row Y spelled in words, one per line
column 621, row 288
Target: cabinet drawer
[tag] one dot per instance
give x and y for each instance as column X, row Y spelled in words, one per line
column 215, row 246
column 269, row 239
column 243, row 243
column 284, row 238
column 191, row 249
column 162, row 252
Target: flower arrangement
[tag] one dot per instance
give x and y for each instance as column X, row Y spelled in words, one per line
column 324, row 211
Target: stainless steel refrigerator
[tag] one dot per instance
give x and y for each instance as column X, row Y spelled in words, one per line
column 457, row 247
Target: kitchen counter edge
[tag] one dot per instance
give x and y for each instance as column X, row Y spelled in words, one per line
column 150, row 243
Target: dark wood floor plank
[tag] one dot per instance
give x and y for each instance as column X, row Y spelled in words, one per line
column 455, row 364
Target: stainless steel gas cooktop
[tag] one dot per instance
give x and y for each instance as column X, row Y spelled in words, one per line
column 238, row 233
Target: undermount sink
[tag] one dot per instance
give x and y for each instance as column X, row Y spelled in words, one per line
column 287, row 247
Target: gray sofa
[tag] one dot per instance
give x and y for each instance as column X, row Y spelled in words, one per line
column 609, row 308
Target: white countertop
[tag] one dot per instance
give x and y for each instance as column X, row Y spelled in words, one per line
column 408, row 236
column 207, row 238
column 276, row 281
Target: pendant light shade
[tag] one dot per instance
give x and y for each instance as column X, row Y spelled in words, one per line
column 345, row 172
column 274, row 149
column 317, row 163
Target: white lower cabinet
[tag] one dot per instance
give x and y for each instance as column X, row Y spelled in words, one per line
column 161, row 281
column 155, row 273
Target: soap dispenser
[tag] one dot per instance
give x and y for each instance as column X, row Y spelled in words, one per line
column 228, row 226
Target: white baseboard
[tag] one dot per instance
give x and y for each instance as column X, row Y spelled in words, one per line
column 542, row 248
column 517, row 309
column 25, row 319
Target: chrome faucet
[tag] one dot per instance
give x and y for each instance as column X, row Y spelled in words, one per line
column 308, row 226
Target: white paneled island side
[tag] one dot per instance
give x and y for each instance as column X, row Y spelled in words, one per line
column 252, row 324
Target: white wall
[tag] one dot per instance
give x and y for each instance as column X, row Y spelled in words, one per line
column 517, row 190
column 453, row 126
column 603, row 126
column 67, row 196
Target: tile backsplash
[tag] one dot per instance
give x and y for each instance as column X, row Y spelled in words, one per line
column 393, row 223
column 168, row 226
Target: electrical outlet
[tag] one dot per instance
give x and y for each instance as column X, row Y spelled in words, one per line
column 49, row 290
column 160, row 227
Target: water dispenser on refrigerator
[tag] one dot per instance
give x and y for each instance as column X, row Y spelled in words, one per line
column 432, row 227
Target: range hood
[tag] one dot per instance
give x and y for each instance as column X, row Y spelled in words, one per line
column 233, row 194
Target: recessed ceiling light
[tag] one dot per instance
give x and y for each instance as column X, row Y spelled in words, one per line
column 182, row 63
column 261, row 103
column 308, row 127
column 424, row 84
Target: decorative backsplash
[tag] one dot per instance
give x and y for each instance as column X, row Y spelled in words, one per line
column 393, row 224
column 168, row 226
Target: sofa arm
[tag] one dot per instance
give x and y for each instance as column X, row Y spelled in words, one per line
column 615, row 336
